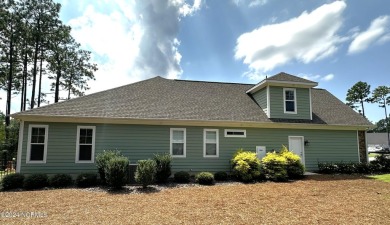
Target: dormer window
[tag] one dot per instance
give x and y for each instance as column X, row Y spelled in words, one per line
column 290, row 102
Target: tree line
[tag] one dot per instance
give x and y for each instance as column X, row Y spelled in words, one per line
column 360, row 93
column 36, row 45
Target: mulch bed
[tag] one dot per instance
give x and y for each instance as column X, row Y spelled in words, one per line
column 324, row 199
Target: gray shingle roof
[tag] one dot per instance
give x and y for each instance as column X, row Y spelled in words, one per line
column 160, row 98
column 290, row 78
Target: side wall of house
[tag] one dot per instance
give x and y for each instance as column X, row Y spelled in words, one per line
column 277, row 103
column 141, row 142
column 261, row 98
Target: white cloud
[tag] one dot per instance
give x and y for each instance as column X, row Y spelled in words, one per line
column 251, row 3
column 309, row 37
column 328, row 77
column 254, row 76
column 378, row 32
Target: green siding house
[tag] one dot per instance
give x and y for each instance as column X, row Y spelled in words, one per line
column 201, row 124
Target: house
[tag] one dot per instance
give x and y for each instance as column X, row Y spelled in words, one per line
column 201, row 124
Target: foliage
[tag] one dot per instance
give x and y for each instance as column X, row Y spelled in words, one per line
column 60, row 180
column 380, row 126
column 246, row 165
column 102, row 160
column 221, row 176
column 295, row 168
column 12, row 181
column 116, row 171
column 36, row 181
column 182, row 177
column 86, row 180
column 205, row 178
column 358, row 93
column 146, row 172
column 163, row 167
column 381, row 164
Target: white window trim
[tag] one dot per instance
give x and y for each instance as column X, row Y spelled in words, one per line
column 29, row 143
column 204, row 143
column 295, row 100
column 184, row 142
column 234, row 135
column 78, row 144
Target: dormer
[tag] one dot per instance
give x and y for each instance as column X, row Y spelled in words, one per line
column 284, row 96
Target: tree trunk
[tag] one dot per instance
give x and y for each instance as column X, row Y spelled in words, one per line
column 40, row 80
column 9, row 80
column 56, row 91
column 24, row 81
column 69, row 86
column 361, row 101
column 37, row 42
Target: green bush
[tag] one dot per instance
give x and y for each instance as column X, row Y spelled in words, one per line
column 61, row 180
column 102, row 160
column 86, row 180
column 146, row 172
column 294, row 167
column 182, row 177
column 382, row 163
column 221, row 176
column 12, row 181
column 246, row 165
column 116, row 170
column 327, row 168
column 36, row 181
column 205, row 178
column 163, row 167
column 349, row 167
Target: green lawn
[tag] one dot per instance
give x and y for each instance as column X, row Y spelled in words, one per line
column 383, row 177
column 373, row 154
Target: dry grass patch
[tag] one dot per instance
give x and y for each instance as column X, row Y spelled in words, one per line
column 315, row 200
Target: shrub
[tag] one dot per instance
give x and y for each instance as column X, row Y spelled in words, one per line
column 12, row 181
column 36, row 181
column 221, row 176
column 349, row 167
column 246, row 165
column 102, row 160
column 327, row 168
column 86, row 180
column 61, row 180
column 275, row 167
column 163, row 167
column 205, row 178
column 182, row 177
column 146, row 172
column 295, row 168
column 116, row 170
column 382, row 163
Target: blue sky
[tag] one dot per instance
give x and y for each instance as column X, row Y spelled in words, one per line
column 336, row 43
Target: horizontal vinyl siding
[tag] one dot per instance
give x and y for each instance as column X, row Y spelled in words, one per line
column 261, row 98
column 142, row 142
column 277, row 104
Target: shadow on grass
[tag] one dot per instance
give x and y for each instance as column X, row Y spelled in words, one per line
column 335, row 177
column 133, row 190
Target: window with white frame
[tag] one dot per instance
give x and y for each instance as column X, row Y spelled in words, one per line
column 290, row 103
column 85, row 146
column 37, row 143
column 235, row 133
column 211, row 143
column 178, row 142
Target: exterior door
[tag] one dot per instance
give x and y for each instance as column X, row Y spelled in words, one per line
column 296, row 145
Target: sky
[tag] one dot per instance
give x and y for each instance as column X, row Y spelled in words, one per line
column 335, row 43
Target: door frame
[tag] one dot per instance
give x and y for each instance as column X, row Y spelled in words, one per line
column 303, row 146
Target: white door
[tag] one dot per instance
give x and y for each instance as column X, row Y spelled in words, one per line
column 296, row 145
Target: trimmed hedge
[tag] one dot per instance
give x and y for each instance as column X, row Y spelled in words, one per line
column 246, row 165
column 12, row 181
column 146, row 172
column 182, row 177
column 61, row 180
column 86, row 180
column 205, row 178
column 163, row 167
column 116, row 171
column 102, row 160
column 36, row 181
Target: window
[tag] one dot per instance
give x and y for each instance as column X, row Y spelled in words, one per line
column 290, row 103
column 178, row 142
column 235, row 133
column 211, row 145
column 85, row 147
column 37, row 143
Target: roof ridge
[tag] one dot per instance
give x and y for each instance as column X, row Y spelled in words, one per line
column 213, row 82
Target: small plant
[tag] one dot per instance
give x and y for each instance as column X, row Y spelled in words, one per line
column 163, row 167
column 116, row 171
column 102, row 160
column 295, row 168
column 221, row 176
column 275, row 167
column 36, row 181
column 205, row 178
column 12, row 181
column 86, row 180
column 246, row 165
column 146, row 172
column 182, row 177
column 61, row 180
